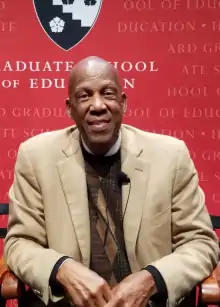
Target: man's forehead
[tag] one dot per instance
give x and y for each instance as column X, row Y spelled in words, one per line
column 92, row 76
column 93, row 72
column 95, row 84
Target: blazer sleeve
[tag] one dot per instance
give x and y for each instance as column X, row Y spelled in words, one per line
column 194, row 242
column 26, row 247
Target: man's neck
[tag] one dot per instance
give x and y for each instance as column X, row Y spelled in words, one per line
column 111, row 151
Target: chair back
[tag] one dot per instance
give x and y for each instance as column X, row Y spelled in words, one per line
column 4, row 209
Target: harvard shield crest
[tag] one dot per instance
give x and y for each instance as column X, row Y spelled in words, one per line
column 67, row 22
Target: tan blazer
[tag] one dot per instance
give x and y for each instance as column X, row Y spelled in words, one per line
column 166, row 223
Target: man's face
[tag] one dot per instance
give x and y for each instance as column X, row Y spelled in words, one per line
column 97, row 105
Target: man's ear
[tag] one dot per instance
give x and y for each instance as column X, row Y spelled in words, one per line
column 68, row 107
column 124, row 103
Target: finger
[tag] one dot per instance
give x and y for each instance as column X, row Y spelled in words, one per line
column 74, row 298
column 107, row 294
column 85, row 302
column 90, row 303
column 87, row 299
column 115, row 302
column 100, row 301
column 144, row 304
column 112, row 303
column 79, row 298
column 114, row 290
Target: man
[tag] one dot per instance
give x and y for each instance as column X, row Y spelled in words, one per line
column 104, row 214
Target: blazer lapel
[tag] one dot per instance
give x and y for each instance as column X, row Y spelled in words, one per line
column 73, row 178
column 133, row 194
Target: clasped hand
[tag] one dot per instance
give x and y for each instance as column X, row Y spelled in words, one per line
column 87, row 289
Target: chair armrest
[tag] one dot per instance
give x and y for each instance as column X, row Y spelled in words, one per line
column 11, row 286
column 210, row 288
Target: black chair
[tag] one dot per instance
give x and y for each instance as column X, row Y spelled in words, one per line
column 4, row 208
column 215, row 221
column 209, row 291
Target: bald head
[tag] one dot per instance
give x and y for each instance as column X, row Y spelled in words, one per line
column 91, row 67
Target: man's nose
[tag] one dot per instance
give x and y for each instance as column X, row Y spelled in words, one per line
column 98, row 103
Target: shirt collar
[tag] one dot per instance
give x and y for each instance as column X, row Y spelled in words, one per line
column 111, row 151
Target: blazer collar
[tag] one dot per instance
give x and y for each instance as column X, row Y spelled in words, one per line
column 129, row 143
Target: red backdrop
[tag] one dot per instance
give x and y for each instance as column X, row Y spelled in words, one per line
column 167, row 52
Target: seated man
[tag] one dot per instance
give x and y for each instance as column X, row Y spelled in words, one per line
column 104, row 214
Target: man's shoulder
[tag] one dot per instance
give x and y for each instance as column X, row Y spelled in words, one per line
column 147, row 139
column 162, row 149
column 48, row 140
column 156, row 147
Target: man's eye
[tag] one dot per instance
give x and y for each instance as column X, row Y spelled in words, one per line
column 109, row 94
column 82, row 97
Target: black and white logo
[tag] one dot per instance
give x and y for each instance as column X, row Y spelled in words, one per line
column 67, row 22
